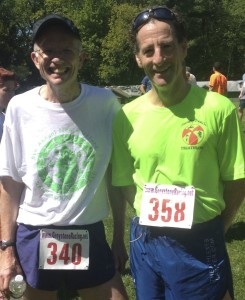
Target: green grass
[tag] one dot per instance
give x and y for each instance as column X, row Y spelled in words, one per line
column 235, row 240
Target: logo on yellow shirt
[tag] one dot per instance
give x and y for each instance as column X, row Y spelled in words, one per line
column 193, row 134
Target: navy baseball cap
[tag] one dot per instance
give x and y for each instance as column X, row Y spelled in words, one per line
column 43, row 23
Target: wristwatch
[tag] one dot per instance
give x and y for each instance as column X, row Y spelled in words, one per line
column 6, row 244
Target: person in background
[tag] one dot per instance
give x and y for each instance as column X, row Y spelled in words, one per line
column 178, row 159
column 145, row 85
column 190, row 77
column 8, row 86
column 242, row 101
column 218, row 81
column 243, row 76
column 55, row 152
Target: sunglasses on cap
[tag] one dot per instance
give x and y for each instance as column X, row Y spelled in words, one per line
column 159, row 13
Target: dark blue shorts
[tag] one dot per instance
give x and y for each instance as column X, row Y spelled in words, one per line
column 101, row 268
column 242, row 104
column 170, row 263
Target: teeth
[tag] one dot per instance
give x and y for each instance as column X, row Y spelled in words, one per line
column 58, row 70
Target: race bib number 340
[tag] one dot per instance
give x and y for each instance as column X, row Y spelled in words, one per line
column 64, row 249
column 167, row 205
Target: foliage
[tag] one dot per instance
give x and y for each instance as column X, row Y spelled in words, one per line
column 117, row 55
column 216, row 33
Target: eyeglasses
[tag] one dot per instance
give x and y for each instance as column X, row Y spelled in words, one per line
column 159, row 13
column 50, row 53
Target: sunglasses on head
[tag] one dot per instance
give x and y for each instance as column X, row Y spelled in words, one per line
column 159, row 13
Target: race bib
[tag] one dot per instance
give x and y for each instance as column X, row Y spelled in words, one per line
column 64, row 249
column 167, row 205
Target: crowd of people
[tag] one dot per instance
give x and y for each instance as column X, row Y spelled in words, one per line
column 69, row 150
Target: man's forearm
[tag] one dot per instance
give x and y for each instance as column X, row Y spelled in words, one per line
column 118, row 208
column 9, row 206
column 234, row 193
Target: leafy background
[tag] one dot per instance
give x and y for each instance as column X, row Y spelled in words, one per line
column 216, row 33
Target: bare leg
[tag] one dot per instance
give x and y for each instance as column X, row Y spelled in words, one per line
column 227, row 296
column 240, row 113
column 111, row 290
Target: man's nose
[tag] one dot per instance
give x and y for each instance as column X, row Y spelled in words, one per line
column 158, row 57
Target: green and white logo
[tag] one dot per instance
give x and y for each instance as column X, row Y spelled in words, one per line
column 65, row 163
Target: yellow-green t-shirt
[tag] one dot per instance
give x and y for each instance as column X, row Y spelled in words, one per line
column 197, row 142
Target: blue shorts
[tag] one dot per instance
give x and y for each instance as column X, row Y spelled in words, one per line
column 242, row 104
column 170, row 263
column 101, row 263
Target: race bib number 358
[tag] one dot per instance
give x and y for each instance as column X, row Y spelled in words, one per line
column 64, row 249
column 167, row 205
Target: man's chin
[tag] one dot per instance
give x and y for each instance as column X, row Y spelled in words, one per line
column 160, row 83
column 57, row 78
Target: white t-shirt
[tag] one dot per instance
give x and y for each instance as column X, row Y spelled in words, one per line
column 61, row 153
column 243, row 91
column 192, row 79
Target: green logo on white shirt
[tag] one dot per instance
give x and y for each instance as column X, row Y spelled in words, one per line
column 65, row 163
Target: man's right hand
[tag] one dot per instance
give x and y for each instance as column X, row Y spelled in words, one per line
column 9, row 267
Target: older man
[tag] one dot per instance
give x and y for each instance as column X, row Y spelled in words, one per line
column 56, row 150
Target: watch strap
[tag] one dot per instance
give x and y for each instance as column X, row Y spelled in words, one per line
column 5, row 244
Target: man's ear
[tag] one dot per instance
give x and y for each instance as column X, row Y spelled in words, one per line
column 138, row 60
column 34, row 57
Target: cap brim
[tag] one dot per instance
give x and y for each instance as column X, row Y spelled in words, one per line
column 41, row 24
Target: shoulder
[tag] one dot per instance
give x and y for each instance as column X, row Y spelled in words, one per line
column 218, row 103
column 25, row 98
column 224, row 77
column 100, row 98
column 211, row 107
column 135, row 105
column 97, row 94
column 210, row 99
column 212, row 76
column 96, row 90
column 145, row 80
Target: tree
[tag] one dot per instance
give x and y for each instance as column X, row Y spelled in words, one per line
column 216, row 32
column 235, row 37
column 118, row 64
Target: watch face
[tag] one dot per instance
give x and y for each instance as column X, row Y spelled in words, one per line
column 6, row 244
